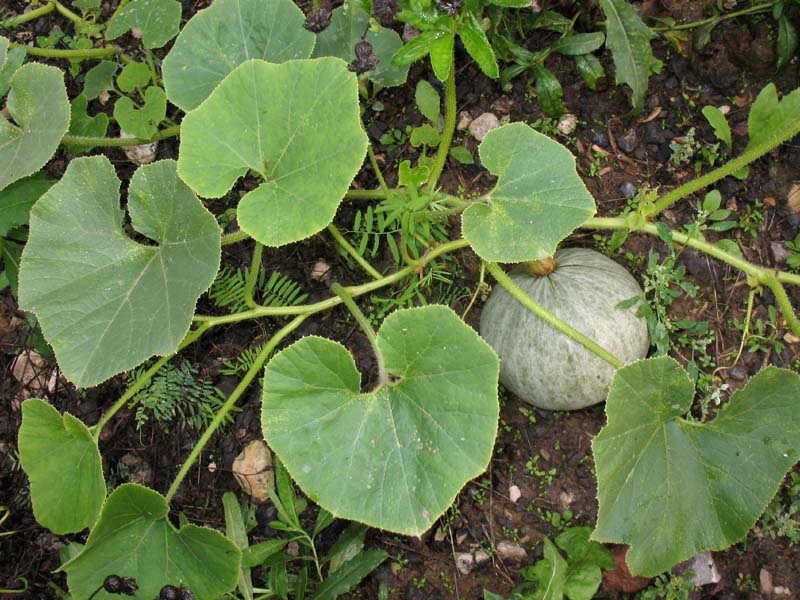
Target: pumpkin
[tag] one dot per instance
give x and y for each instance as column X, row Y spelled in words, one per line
column 541, row 365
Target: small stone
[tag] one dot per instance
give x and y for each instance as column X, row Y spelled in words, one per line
column 567, row 124
column 31, row 370
column 793, row 199
column 481, row 557
column 782, row 591
column 654, row 133
column 702, row 566
column 780, row 252
column 791, row 338
column 140, row 155
column 627, row 141
column 321, row 271
column 137, row 469
column 483, row 125
column 628, row 190
column 253, row 470
column 765, row 579
column 601, row 139
column 465, row 562
column 509, row 551
column 464, row 119
column 514, row 493
column 440, row 535
column 725, row 109
column 212, row 467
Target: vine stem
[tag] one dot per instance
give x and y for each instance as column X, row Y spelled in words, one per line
column 87, row 53
column 786, row 133
column 768, row 277
column 373, row 160
column 65, row 12
column 365, row 195
column 540, row 311
column 31, row 16
column 449, row 125
column 252, row 276
column 739, row 13
column 232, row 238
column 79, row 140
column 231, row 402
column 356, row 290
column 340, row 239
column 366, row 327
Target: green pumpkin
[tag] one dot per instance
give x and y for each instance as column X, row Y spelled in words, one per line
column 541, row 365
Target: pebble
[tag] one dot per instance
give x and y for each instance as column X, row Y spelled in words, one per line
column 702, row 566
column 628, row 189
column 627, row 141
column 464, row 119
column 780, row 252
column 509, row 551
column 483, row 125
column 654, row 133
column 481, row 556
column 465, row 563
column 601, row 139
column 567, row 124
column 514, row 493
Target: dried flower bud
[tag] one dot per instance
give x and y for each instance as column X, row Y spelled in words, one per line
column 365, row 59
column 450, row 7
column 318, row 19
column 114, row 584
column 384, row 11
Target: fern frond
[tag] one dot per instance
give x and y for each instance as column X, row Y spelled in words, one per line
column 227, row 291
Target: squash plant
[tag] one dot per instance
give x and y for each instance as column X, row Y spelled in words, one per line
column 280, row 105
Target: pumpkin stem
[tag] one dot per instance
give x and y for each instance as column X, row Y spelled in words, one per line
column 541, row 267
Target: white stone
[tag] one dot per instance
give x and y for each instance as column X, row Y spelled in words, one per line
column 514, row 493
column 483, row 125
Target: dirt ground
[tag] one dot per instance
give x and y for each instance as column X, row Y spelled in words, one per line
column 547, row 456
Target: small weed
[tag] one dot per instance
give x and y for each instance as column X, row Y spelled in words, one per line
column 668, row 587
column 793, row 262
column 753, row 218
column 763, row 335
column 782, row 516
column 529, row 413
column 545, row 477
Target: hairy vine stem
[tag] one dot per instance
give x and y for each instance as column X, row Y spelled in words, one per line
column 27, row 17
column 70, row 54
column 80, row 140
column 254, row 369
column 449, row 125
column 347, row 247
column 252, row 276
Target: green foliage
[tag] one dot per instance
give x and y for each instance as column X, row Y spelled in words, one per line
column 316, row 419
column 647, row 455
column 782, row 516
column 158, row 20
column 176, row 391
column 228, row 290
column 628, row 38
column 505, row 226
column 286, row 141
column 107, row 302
column 668, row 587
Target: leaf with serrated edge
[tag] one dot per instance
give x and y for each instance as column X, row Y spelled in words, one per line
column 18, row 198
column 157, row 20
column 539, row 198
column 134, row 538
column 395, row 457
column 769, row 116
column 628, row 38
column 64, row 467
column 229, row 32
column 37, row 101
column 105, row 302
column 671, row 488
column 347, row 28
column 296, row 124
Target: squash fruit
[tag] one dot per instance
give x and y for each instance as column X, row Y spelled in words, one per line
column 541, row 365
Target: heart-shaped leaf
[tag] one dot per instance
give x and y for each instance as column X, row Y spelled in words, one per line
column 64, row 467
column 84, row 125
column 396, row 457
column 226, row 34
column 106, row 302
column 37, row 102
column 295, row 124
column 158, row 20
column 539, row 198
column 142, row 122
column 134, row 538
column 347, row 28
column 99, row 79
column 672, row 488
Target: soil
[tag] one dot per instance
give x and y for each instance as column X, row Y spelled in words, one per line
column 633, row 152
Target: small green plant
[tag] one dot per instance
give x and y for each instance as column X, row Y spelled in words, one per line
column 782, row 516
column 177, row 391
column 543, row 476
column 576, row 577
column 793, row 262
column 763, row 334
column 669, row 587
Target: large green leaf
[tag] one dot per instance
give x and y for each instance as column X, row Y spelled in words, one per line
column 628, row 38
column 296, row 125
column 106, row 302
column 769, row 116
column 64, row 467
column 347, row 28
column 670, row 487
column 134, row 538
column 10, row 61
column 37, row 102
column 157, row 20
column 395, row 457
column 539, row 198
column 220, row 38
